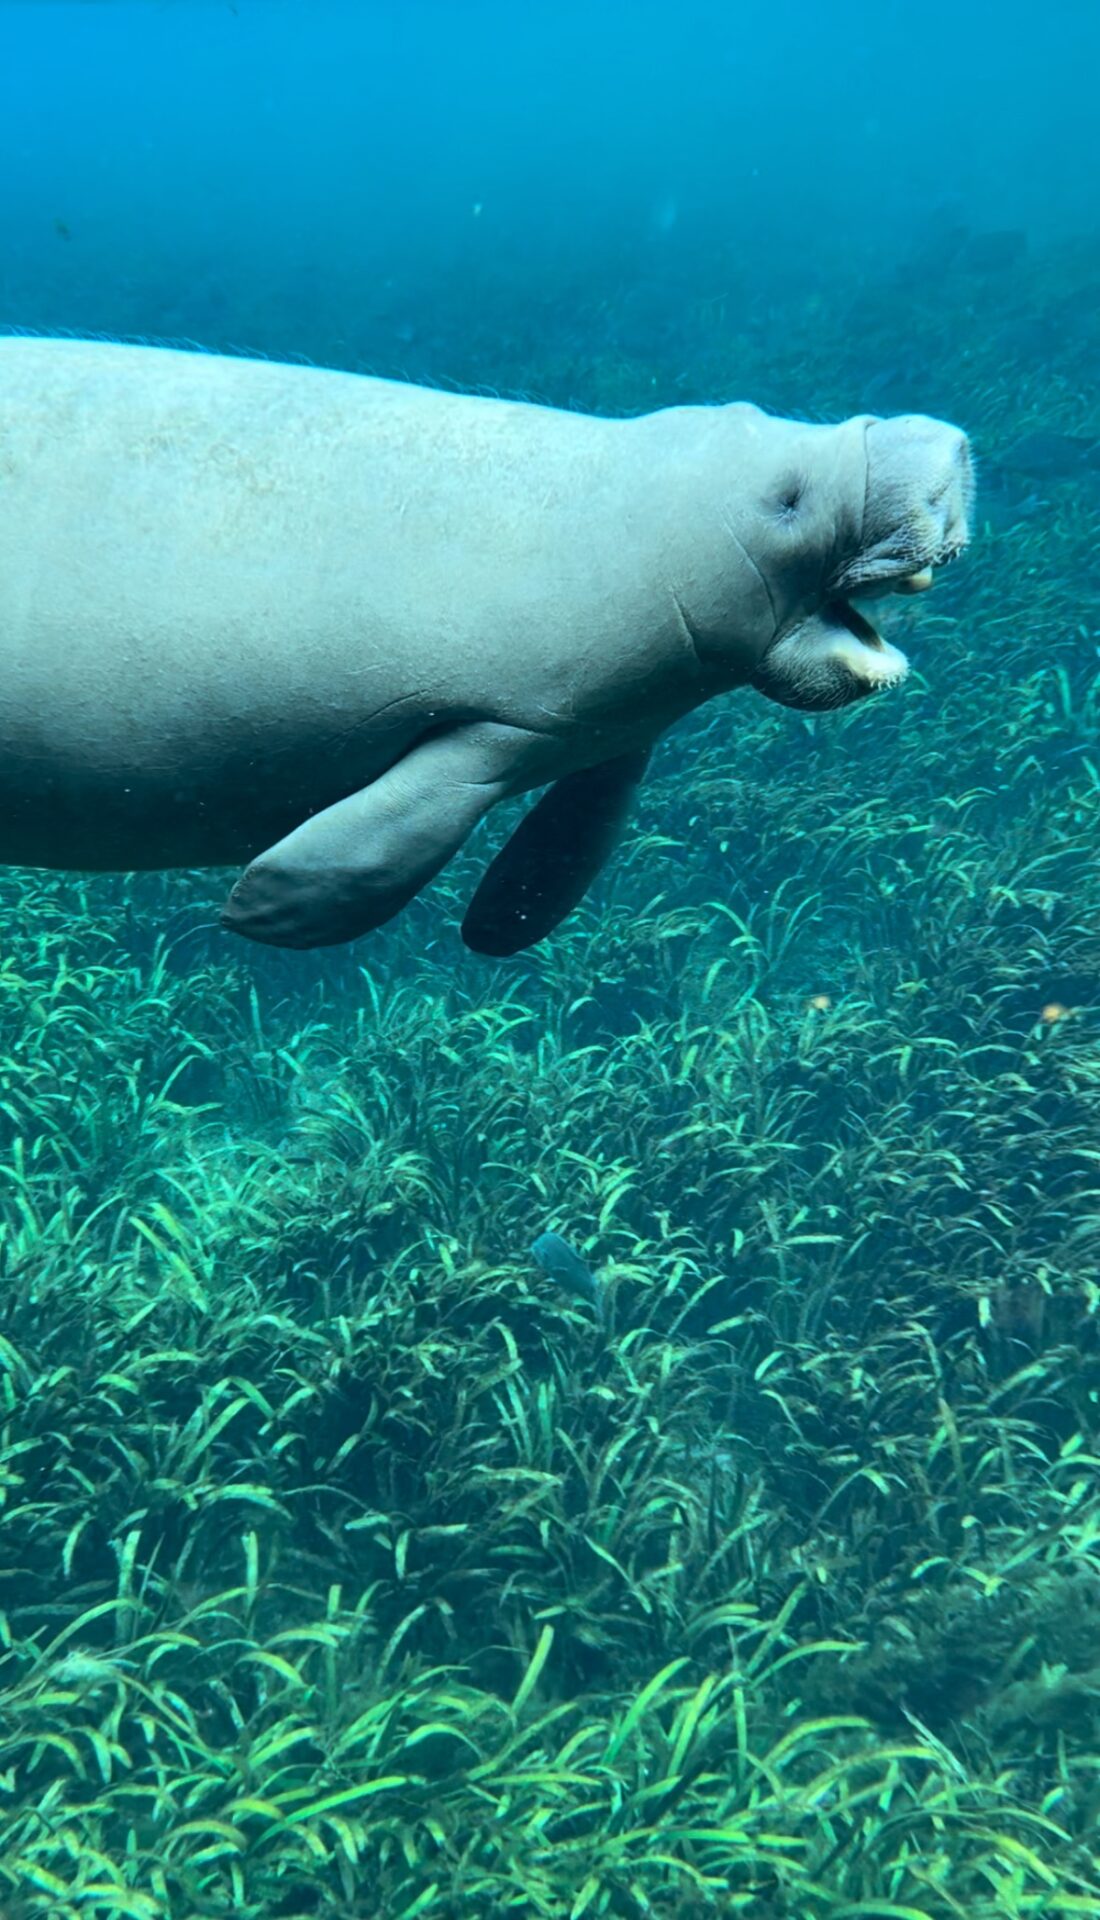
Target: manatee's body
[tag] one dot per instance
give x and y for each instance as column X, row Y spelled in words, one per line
column 252, row 613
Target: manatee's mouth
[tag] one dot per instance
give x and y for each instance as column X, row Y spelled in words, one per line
column 838, row 655
column 843, row 613
column 916, row 518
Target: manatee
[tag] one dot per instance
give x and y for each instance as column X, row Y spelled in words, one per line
column 315, row 626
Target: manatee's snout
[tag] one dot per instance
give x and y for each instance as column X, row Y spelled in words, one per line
column 917, row 504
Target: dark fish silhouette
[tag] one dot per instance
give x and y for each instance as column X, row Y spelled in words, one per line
column 560, row 1263
column 1006, row 507
column 949, row 243
column 1045, row 455
column 894, row 386
column 993, row 252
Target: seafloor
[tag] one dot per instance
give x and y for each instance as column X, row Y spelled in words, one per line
column 349, row 1568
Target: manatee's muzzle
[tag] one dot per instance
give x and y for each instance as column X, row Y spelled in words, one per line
column 918, row 506
column 831, row 659
column 916, row 517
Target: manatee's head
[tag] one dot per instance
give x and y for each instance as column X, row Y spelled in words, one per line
column 846, row 515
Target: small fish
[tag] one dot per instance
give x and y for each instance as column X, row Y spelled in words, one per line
column 940, row 246
column 899, row 381
column 994, row 252
column 1046, row 455
column 1032, row 504
column 1002, row 511
column 559, row 1262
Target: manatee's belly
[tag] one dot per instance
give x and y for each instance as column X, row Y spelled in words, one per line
column 62, row 810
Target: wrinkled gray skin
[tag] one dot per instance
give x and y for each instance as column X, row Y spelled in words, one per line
column 317, row 625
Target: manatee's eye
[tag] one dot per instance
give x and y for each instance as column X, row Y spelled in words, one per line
column 790, row 498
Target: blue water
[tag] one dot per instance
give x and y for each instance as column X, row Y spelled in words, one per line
column 610, row 1431
column 353, row 182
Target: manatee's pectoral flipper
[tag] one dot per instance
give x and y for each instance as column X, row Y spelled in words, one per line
column 351, row 867
column 553, row 857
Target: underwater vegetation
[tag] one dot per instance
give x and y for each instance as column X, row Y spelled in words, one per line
column 349, row 1566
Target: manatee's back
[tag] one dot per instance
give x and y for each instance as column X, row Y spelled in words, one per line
column 232, row 590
